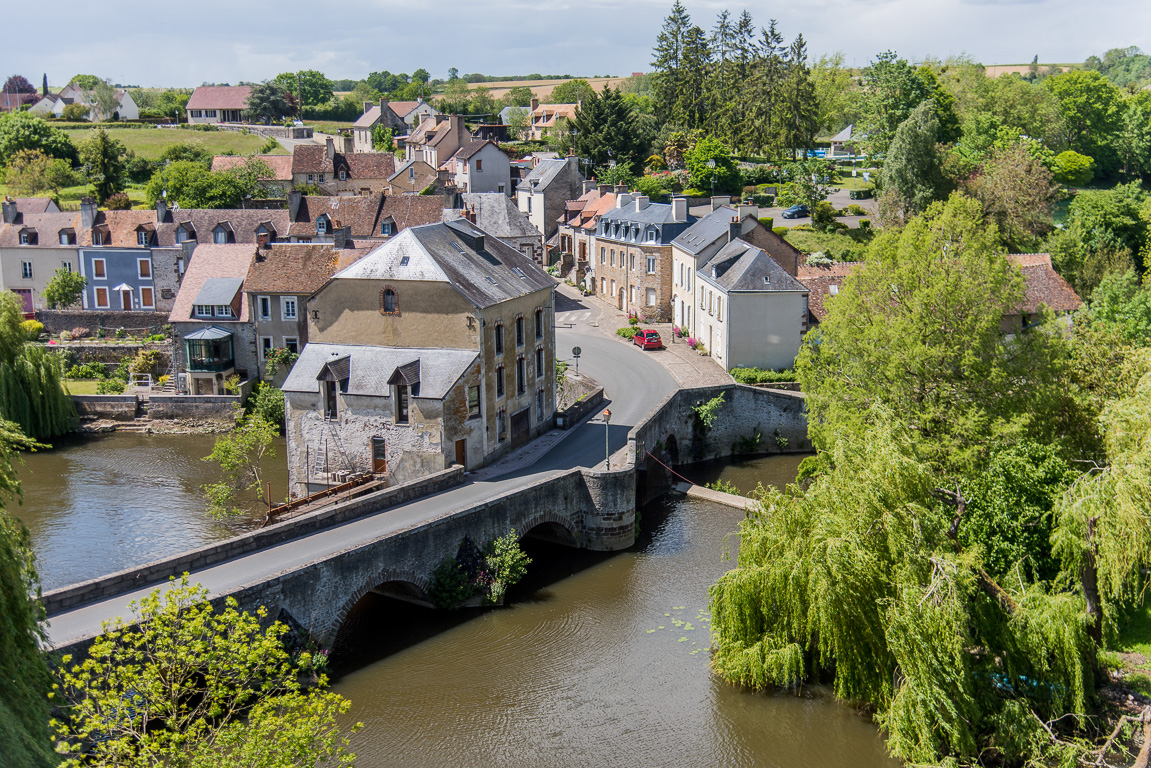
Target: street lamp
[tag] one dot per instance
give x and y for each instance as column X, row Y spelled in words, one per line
column 606, row 441
column 711, row 165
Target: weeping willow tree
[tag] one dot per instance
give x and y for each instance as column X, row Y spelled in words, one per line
column 31, row 380
column 861, row 578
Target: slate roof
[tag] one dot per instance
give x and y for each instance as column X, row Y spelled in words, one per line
column 208, row 262
column 310, row 158
column 47, row 226
column 281, row 165
column 218, row 291
column 446, row 252
column 740, row 266
column 543, row 174
column 496, row 214
column 845, row 134
column 291, row 268
column 369, row 368
column 220, row 97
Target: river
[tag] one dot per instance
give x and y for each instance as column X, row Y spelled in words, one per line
column 598, row 659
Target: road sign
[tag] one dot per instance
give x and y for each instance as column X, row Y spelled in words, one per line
column 576, row 351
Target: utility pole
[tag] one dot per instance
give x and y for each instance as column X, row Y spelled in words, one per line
column 299, row 99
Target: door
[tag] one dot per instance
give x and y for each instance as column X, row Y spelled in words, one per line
column 462, row 453
column 620, row 302
column 521, row 427
column 126, row 299
column 379, row 456
column 25, row 295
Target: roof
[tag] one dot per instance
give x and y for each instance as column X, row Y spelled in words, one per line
column 370, row 368
column 208, row 333
column 310, row 158
column 242, row 222
column 413, row 210
column 404, row 108
column 472, row 147
column 47, row 226
column 451, row 252
column 372, row 116
column 845, row 134
column 544, row 173
column 218, row 291
column 820, row 279
column 367, row 165
column 652, row 213
column 496, row 214
column 705, row 231
column 281, row 165
column 291, row 268
column 360, row 213
column 403, row 167
column 740, row 266
column 207, row 263
column 220, row 97
column 35, row 204
column 1044, row 284
column 552, row 112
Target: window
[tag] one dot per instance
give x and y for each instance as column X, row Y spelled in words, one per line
column 401, row 403
column 651, row 235
column 23, row 238
column 651, row 264
column 631, row 262
column 98, row 269
column 331, row 403
column 144, row 268
column 26, row 270
column 710, row 301
column 520, row 331
column 97, row 238
column 499, row 338
column 181, row 235
column 292, row 344
column 66, row 266
column 321, row 225
column 412, row 172
column 529, row 203
column 719, row 307
column 539, row 362
column 209, row 113
column 311, row 178
column 521, row 376
column 473, row 401
column 603, row 285
column 101, row 298
column 388, row 302
column 613, row 257
column 196, row 113
column 650, row 297
column 500, row 188
column 539, row 405
column 265, row 305
column 539, row 323
column 499, row 381
column 386, row 228
column 202, row 310
column 223, row 310
column 343, row 175
column 142, row 237
column 502, row 424
column 220, row 236
column 265, row 346
column 146, row 298
column 320, row 179
column 288, row 307
column 479, row 165
column 603, row 255
column 67, row 238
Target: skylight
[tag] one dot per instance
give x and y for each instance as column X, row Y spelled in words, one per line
column 404, row 261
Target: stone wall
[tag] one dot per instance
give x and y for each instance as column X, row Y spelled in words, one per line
column 56, row 320
column 575, row 413
column 199, row 407
column 112, row 354
column 116, row 407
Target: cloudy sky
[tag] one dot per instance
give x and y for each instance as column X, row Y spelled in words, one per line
column 179, row 43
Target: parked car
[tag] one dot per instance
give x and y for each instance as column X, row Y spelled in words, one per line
column 796, row 212
column 647, row 339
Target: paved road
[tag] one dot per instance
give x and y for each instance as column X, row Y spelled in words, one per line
column 634, row 383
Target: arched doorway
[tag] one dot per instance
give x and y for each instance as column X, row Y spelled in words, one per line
column 621, row 300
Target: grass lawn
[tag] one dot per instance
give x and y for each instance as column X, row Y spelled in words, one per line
column 151, row 143
column 69, row 197
column 81, row 386
column 848, row 182
column 841, row 246
column 1134, row 649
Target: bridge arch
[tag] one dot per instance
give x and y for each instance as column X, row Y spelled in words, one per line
column 406, row 585
column 550, row 527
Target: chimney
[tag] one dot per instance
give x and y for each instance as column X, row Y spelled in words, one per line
column 294, row 200
column 620, row 189
column 679, row 209
column 330, row 149
column 457, row 123
column 604, row 189
column 734, row 229
column 261, row 242
column 9, row 211
column 472, row 214
column 535, row 103
column 748, row 210
column 161, row 209
column 720, row 201
column 87, row 212
column 368, row 106
column 623, row 199
column 340, row 237
column 641, row 202
column 588, row 186
column 440, row 118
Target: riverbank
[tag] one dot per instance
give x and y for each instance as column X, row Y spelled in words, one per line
column 153, row 427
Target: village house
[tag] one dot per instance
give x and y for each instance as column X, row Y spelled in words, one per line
column 543, row 193
column 281, row 165
column 125, row 108
column 436, row 348
column 498, row 216
column 545, row 117
column 400, row 116
column 412, row 177
column 633, row 270
column 577, row 227
column 436, row 139
column 213, row 337
column 319, row 219
column 218, row 104
column 701, row 241
column 481, row 166
column 336, row 170
column 34, row 243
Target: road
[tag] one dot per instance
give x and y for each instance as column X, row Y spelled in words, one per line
column 633, row 381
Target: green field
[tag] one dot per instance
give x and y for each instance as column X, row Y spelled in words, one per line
column 841, row 246
column 69, row 197
column 150, row 143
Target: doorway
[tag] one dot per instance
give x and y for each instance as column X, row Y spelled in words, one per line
column 126, row 299
column 521, row 427
column 379, row 456
column 462, row 453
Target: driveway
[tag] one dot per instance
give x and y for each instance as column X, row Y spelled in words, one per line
column 840, row 199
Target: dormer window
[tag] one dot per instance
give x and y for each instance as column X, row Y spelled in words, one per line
column 24, row 238
column 183, row 234
column 142, row 237
column 321, row 225
column 220, row 236
column 343, row 175
column 412, row 172
column 386, row 227
column 67, row 237
column 651, row 235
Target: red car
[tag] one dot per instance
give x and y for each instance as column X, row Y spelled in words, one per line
column 648, row 339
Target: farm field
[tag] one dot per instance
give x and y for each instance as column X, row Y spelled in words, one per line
column 150, row 143
column 541, row 88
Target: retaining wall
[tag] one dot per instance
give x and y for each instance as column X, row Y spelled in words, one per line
column 112, row 354
column 576, row 412
column 56, row 320
column 116, row 407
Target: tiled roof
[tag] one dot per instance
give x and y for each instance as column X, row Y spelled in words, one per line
column 291, row 268
column 211, row 261
column 120, row 228
column 310, row 158
column 472, row 147
column 35, row 204
column 820, row 279
column 547, row 114
column 413, row 210
column 1044, row 284
column 403, row 108
column 359, row 212
column 367, row 165
column 220, row 97
column 422, row 169
column 281, row 165
column 47, row 226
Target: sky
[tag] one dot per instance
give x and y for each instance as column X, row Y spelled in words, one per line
column 184, row 44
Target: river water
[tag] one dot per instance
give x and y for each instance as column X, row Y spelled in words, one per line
column 598, row 659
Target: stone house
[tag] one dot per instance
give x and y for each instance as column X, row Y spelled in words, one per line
column 543, row 193
column 338, row 171
column 436, row 139
column 280, row 279
column 545, row 117
column 577, row 226
column 436, row 348
column 213, row 336
column 400, row 116
column 498, row 216
column 701, row 241
column 633, row 268
column 34, row 243
column 218, row 104
column 281, row 165
column 481, row 166
column 412, row 177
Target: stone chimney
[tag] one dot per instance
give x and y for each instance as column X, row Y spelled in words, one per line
column 734, row 229
column 9, row 211
column 535, row 103
column 622, row 199
column 294, row 200
column 641, row 202
column 679, row 209
column 620, row 189
column 261, row 242
column 605, row 189
column 368, row 106
column 588, row 186
column 340, row 237
column 161, row 209
column 720, row 201
column 471, row 214
column 330, row 149
column 87, row 212
column 748, row 210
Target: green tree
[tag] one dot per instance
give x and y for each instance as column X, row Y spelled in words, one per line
column 520, row 96
column 240, row 455
column 193, row 186
column 314, row 88
column 75, row 112
column 799, row 106
column 104, row 162
column 1134, row 138
column 193, row 152
column 482, row 102
column 604, row 128
column 421, row 76
column 1120, row 303
column 913, row 172
column 1017, row 193
column 1110, row 219
column 808, row 183
column 681, row 57
column 185, row 683
column 64, row 289
column 22, row 130
column 891, row 91
column 571, row 92
column 836, row 94
column 268, row 403
column 518, row 122
column 107, row 101
column 268, row 103
column 698, row 161
column 383, row 139
column 1092, row 112
column 27, row 172
column 86, row 82
column 1073, row 169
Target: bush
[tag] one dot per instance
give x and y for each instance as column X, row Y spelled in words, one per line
column 118, row 202
column 633, row 321
column 86, row 371
column 268, row 403
column 768, row 222
column 146, row 361
column 65, row 336
column 111, row 387
column 855, row 209
column 32, row 329
column 859, row 194
column 761, row 376
column 121, row 333
column 781, row 231
column 627, row 333
column 763, row 201
column 865, row 224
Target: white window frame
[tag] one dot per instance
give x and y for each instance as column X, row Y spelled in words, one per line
column 650, row 297
column 140, row 269
column 23, row 238
column 142, row 237
column 66, row 265
column 343, row 175
column 261, row 301
column 311, row 178
column 285, row 302
column 652, row 261
column 292, row 343
column 222, row 310
column 320, row 179
column 202, row 310
column 96, row 297
column 64, row 238
column 150, row 304
column 321, row 225
column 26, row 270
column 103, row 267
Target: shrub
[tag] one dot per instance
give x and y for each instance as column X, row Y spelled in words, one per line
column 121, row 333
column 65, row 336
column 781, row 231
column 761, row 376
column 111, row 387
column 691, row 342
column 855, row 209
column 32, row 329
column 865, row 224
column 627, row 333
column 633, row 320
column 146, row 361
column 859, row 194
column 724, row 487
column 762, row 200
column 79, row 332
column 86, row 371
column 118, row 202
column 768, row 222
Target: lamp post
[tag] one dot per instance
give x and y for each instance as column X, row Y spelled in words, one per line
column 606, row 441
column 711, row 165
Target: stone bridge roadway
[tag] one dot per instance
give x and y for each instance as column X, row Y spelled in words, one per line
column 404, row 543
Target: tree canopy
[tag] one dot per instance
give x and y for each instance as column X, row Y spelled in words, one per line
column 105, row 161
column 604, row 129
column 22, row 130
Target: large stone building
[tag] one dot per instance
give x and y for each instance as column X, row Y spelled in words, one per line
column 436, row 348
column 543, row 193
column 497, row 215
column 632, row 268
